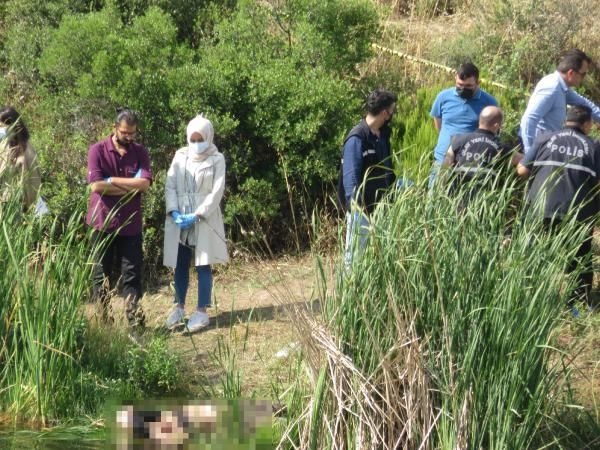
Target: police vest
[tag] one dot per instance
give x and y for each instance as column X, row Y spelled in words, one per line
column 566, row 170
column 375, row 177
column 476, row 153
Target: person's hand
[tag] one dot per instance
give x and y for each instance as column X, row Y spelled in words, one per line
column 138, row 174
column 188, row 220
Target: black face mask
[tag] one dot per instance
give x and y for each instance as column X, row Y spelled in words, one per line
column 465, row 93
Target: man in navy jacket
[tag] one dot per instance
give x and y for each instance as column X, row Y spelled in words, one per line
column 366, row 164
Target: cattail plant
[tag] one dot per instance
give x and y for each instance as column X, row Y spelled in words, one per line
column 46, row 276
column 440, row 333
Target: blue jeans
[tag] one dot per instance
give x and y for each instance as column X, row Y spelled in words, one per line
column 356, row 225
column 182, row 278
column 435, row 170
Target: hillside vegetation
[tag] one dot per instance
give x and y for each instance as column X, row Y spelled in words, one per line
column 283, row 81
column 450, row 330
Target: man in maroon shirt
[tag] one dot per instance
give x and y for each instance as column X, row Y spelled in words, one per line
column 118, row 173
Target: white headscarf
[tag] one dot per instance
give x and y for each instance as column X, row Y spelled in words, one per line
column 202, row 125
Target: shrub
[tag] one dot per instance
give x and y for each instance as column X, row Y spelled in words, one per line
column 274, row 78
column 25, row 33
column 283, row 119
column 155, row 369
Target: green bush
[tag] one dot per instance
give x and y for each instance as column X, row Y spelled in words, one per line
column 24, row 33
column 155, row 370
column 115, row 368
column 276, row 80
column 284, row 107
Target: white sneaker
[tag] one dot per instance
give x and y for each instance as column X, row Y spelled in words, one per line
column 197, row 320
column 175, row 318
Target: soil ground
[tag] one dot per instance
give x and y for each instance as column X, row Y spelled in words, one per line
column 248, row 319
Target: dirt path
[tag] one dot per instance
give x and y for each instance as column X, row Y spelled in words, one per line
column 249, row 321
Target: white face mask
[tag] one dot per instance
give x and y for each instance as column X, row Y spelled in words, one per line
column 2, row 133
column 198, row 147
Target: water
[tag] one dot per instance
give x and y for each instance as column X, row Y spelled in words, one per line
column 56, row 439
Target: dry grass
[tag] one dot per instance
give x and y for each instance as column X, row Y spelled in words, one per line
column 387, row 409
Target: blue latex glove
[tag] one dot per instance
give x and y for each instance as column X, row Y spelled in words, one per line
column 176, row 215
column 188, row 220
column 138, row 174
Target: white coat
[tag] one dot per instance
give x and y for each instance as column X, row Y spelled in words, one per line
column 201, row 197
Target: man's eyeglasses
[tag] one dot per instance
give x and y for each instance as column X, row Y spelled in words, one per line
column 128, row 133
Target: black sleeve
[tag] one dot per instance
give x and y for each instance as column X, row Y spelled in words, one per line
column 456, row 142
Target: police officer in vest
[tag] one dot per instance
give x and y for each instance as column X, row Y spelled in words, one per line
column 366, row 164
column 476, row 157
column 565, row 166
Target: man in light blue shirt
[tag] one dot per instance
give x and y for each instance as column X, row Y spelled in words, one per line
column 456, row 111
column 547, row 107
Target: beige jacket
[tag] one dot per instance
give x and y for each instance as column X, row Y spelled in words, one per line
column 196, row 186
column 22, row 168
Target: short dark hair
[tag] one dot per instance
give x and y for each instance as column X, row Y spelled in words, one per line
column 572, row 60
column 127, row 115
column 467, row 70
column 11, row 118
column 380, row 99
column 579, row 114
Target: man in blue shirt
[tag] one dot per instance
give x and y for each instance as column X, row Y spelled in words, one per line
column 456, row 111
column 547, row 107
column 366, row 164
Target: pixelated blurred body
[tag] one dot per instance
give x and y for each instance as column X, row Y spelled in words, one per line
column 192, row 424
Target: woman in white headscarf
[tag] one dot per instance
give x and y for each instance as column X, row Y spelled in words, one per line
column 194, row 224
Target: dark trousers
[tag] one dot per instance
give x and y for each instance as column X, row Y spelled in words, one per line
column 125, row 254
column 583, row 257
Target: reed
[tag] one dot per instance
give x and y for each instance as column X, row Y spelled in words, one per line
column 441, row 334
column 55, row 365
column 45, row 275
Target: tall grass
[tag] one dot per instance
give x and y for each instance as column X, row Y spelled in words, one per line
column 45, row 274
column 441, row 334
column 55, row 365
